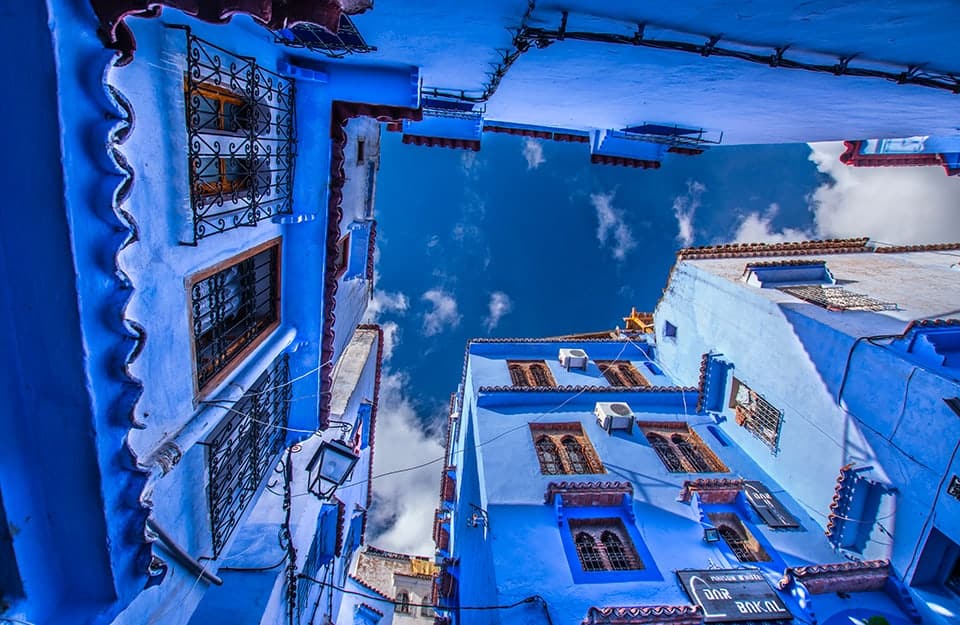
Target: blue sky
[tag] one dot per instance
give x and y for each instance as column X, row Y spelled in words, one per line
column 555, row 244
column 527, row 238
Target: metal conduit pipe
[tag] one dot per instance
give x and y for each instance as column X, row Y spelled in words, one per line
column 184, row 558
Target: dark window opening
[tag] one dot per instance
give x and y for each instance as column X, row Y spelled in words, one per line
column 563, row 448
column 680, row 449
column 403, row 603
column 530, row 373
column 669, row 330
column 360, row 156
column 604, row 545
column 621, row 373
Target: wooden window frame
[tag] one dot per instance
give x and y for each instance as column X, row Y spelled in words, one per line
column 522, row 371
column 668, row 430
column 557, row 434
column 243, row 353
column 617, row 372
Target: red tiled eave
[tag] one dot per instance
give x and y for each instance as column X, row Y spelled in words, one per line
column 644, row 615
column 443, row 142
column 622, row 161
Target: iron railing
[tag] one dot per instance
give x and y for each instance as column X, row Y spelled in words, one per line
column 241, row 143
column 232, row 308
column 244, row 446
column 347, row 40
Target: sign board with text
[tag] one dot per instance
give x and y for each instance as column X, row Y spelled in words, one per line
column 729, row 595
column 768, row 506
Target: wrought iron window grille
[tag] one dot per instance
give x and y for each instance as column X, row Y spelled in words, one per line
column 450, row 113
column 347, row 40
column 243, row 448
column 756, row 414
column 672, row 135
column 836, row 298
column 240, row 140
column 530, row 373
column 621, row 373
column 232, row 309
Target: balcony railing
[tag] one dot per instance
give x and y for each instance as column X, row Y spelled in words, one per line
column 244, row 447
column 347, row 40
column 241, row 143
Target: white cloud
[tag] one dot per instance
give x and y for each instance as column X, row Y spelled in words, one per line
column 385, row 301
column 443, row 313
column 611, row 225
column 391, row 337
column 684, row 209
column 500, row 304
column 402, row 515
column 901, row 205
column 470, row 164
column 533, row 152
column 757, row 228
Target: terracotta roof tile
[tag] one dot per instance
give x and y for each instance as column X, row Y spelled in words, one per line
column 644, row 615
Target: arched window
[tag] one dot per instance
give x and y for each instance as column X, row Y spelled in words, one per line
column 549, row 456
column 612, row 374
column 403, row 602
column 617, row 556
column 737, row 543
column 590, row 559
column 666, row 453
column 518, row 376
column 541, row 376
column 576, row 459
column 691, row 453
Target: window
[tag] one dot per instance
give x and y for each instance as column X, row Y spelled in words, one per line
column 756, row 414
column 343, row 255
column 738, row 538
column 243, row 447
column 604, row 545
column 836, row 298
column 403, row 602
column 426, row 609
column 669, row 330
column 234, row 307
column 680, row 449
column 360, row 151
column 621, row 373
column 530, row 373
column 240, row 141
column 563, row 448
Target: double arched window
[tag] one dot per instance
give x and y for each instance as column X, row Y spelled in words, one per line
column 603, row 545
column 621, row 373
column 563, row 448
column 530, row 373
column 680, row 449
column 738, row 538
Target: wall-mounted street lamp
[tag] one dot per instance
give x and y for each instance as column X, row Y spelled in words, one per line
column 330, row 467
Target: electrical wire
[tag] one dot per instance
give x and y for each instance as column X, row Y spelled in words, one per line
column 530, row 599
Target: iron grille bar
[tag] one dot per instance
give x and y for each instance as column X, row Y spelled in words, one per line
column 758, row 416
column 231, row 309
column 241, row 143
column 347, row 40
column 243, row 447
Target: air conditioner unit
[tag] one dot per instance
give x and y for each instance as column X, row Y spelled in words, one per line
column 573, row 358
column 614, row 415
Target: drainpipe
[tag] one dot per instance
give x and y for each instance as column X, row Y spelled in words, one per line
column 184, row 558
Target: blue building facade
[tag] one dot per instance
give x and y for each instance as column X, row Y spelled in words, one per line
column 187, row 328
column 776, row 442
